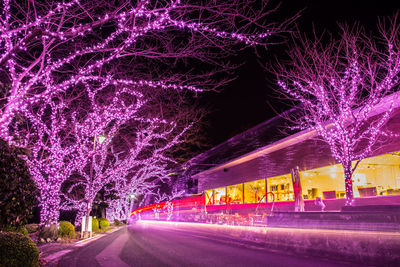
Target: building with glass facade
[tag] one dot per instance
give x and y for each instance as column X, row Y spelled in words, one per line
column 266, row 174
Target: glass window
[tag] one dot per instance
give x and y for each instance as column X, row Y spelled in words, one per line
column 235, row 194
column 254, row 192
column 377, row 176
column 325, row 183
column 220, row 196
column 209, row 194
column 280, row 188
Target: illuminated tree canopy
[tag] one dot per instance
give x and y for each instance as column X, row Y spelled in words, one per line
column 342, row 87
column 73, row 71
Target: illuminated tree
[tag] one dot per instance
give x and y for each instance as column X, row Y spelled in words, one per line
column 48, row 47
column 343, row 89
column 165, row 202
column 62, row 135
column 131, row 157
column 51, row 158
column 128, row 190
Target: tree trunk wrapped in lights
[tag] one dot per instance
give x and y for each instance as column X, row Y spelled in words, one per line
column 51, row 156
column 342, row 87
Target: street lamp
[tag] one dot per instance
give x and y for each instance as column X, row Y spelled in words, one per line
column 100, row 139
column 132, row 197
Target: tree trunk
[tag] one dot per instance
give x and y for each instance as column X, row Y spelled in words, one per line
column 129, row 209
column 348, row 183
column 103, row 212
column 88, row 210
column 50, row 211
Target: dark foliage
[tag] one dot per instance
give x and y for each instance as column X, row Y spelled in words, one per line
column 17, row 250
column 18, row 194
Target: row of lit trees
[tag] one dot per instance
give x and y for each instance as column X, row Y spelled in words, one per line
column 80, row 82
column 77, row 74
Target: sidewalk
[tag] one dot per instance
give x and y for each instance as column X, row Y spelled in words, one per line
column 368, row 247
column 51, row 252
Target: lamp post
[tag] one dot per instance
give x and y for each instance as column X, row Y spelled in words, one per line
column 101, row 140
column 132, row 197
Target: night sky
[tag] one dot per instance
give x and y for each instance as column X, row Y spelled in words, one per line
column 250, row 99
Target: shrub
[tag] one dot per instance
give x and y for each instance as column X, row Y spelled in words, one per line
column 66, row 229
column 17, row 250
column 104, row 224
column 117, row 222
column 15, row 229
column 31, row 228
column 95, row 225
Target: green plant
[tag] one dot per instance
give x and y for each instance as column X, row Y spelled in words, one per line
column 95, row 225
column 104, row 224
column 16, row 229
column 31, row 228
column 17, row 250
column 18, row 194
column 66, row 229
column 117, row 222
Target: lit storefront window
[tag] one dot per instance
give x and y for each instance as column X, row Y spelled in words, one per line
column 220, row 196
column 375, row 176
column 281, row 187
column 378, row 176
column 254, row 192
column 209, row 195
column 325, row 183
column 235, row 194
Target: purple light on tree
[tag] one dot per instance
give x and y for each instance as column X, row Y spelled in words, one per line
column 50, row 50
column 48, row 47
column 140, row 181
column 62, row 136
column 129, row 164
column 51, row 158
column 342, row 87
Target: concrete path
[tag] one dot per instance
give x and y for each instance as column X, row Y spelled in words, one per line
column 109, row 257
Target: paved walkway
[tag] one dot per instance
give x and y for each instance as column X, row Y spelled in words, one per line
column 109, row 257
column 52, row 252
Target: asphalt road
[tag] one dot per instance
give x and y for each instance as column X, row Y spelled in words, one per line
column 136, row 246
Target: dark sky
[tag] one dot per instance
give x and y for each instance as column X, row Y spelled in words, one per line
column 250, row 100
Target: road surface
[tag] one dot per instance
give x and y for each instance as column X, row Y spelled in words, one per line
column 136, row 246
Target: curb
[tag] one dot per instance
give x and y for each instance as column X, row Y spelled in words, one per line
column 55, row 256
column 85, row 241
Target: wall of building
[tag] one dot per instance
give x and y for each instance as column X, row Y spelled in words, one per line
column 307, row 154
